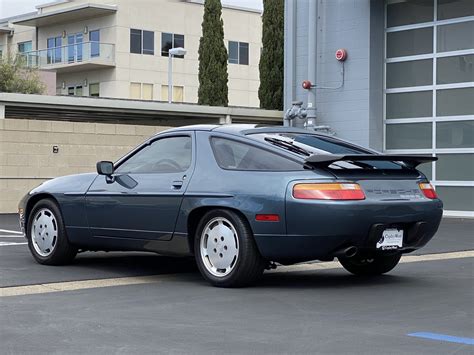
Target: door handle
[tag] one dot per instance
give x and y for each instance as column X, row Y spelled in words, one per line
column 177, row 184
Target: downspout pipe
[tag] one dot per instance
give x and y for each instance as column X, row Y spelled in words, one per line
column 289, row 57
column 312, row 61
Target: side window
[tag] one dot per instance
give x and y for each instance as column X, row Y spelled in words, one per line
column 166, row 155
column 234, row 155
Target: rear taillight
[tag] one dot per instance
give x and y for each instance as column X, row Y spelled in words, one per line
column 328, row 191
column 428, row 190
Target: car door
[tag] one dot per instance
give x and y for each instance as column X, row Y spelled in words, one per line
column 142, row 199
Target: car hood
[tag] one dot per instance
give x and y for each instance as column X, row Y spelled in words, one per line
column 78, row 183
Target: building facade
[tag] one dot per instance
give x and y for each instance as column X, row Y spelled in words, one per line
column 119, row 48
column 406, row 87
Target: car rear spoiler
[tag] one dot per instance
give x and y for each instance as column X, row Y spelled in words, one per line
column 324, row 160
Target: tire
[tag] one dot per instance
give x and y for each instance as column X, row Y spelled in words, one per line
column 46, row 234
column 377, row 265
column 225, row 251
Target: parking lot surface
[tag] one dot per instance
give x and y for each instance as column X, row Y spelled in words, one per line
column 136, row 303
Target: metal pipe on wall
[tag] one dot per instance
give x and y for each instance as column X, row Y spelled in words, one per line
column 312, row 59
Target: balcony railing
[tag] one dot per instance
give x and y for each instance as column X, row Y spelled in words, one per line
column 72, row 54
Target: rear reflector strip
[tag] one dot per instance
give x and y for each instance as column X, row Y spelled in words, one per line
column 267, row 218
column 328, row 191
column 428, row 190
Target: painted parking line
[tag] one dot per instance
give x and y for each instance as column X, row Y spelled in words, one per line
column 10, row 231
column 443, row 337
column 9, row 244
column 134, row 280
column 11, row 236
column 78, row 285
column 405, row 260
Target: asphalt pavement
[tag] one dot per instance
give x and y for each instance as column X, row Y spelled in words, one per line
column 137, row 303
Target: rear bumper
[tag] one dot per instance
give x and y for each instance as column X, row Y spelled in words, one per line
column 318, row 231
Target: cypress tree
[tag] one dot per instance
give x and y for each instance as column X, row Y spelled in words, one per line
column 213, row 77
column 270, row 91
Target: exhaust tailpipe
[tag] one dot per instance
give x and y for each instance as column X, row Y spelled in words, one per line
column 347, row 252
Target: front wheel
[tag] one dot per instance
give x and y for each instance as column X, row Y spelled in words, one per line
column 225, row 251
column 46, row 235
column 370, row 266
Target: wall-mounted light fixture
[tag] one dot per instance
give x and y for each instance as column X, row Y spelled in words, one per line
column 86, row 29
column 63, row 85
column 64, row 33
column 85, row 82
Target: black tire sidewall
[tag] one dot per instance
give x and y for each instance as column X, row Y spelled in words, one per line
column 381, row 265
column 62, row 251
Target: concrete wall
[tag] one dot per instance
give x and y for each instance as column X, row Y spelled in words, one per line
column 353, row 111
column 27, row 158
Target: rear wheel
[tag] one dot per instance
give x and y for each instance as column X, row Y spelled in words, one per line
column 225, row 250
column 375, row 265
column 46, row 235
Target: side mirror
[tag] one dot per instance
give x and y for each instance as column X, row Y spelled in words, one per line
column 105, row 168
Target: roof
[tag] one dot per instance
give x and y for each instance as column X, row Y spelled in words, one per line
column 244, row 129
column 73, row 13
column 227, row 6
column 107, row 109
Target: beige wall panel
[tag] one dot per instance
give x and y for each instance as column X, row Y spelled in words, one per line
column 27, row 158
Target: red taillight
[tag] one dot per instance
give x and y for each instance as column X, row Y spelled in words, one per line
column 328, row 191
column 267, row 218
column 428, row 190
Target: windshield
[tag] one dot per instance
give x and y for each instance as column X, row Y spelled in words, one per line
column 309, row 144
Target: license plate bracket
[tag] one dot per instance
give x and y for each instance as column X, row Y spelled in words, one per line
column 392, row 238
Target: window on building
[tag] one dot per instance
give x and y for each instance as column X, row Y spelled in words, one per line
column 178, row 93
column 94, row 89
column 75, row 90
column 171, row 40
column 147, row 91
column 238, row 53
column 94, row 38
column 136, row 91
column 141, row 91
column 54, row 52
column 429, row 77
column 142, row 42
column 25, row 47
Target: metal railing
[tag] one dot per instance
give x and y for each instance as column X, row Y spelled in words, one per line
column 71, row 54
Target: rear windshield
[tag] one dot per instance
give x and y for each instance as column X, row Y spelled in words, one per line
column 309, row 144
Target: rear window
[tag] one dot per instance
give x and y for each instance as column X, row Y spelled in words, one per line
column 309, row 144
column 233, row 155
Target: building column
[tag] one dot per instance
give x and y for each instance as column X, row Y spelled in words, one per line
column 225, row 120
column 2, row 111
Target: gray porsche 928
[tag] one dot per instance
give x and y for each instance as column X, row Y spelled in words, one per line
column 240, row 199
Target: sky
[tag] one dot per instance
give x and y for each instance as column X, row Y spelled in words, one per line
column 16, row 7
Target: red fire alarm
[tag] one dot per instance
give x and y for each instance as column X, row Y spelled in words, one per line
column 306, row 84
column 341, row 54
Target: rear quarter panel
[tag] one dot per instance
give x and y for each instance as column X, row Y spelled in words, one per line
column 249, row 192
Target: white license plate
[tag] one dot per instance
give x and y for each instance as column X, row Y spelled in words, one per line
column 391, row 239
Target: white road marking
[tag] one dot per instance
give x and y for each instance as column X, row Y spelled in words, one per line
column 7, row 244
column 77, row 285
column 405, row 259
column 10, row 231
column 136, row 280
column 11, row 236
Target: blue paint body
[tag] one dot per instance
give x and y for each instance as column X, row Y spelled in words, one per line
column 153, row 216
column 443, row 337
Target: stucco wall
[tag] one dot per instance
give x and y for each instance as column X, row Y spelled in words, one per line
column 27, row 158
